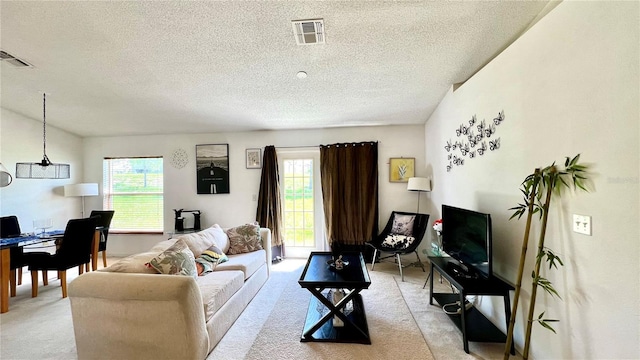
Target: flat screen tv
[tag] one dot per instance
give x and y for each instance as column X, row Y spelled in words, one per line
column 466, row 237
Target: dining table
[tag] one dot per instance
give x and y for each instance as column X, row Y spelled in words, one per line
column 31, row 239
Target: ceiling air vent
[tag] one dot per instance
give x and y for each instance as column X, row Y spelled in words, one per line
column 5, row 56
column 308, row 32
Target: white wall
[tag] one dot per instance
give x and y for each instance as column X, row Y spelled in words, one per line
column 567, row 86
column 29, row 199
column 238, row 207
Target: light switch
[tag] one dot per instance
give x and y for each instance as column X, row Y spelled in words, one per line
column 582, row 224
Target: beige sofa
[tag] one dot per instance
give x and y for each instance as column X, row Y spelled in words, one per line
column 128, row 312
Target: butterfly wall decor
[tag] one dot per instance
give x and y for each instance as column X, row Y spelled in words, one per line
column 473, row 143
column 494, row 144
column 499, row 119
column 482, row 148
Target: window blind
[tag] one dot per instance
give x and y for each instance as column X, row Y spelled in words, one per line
column 133, row 188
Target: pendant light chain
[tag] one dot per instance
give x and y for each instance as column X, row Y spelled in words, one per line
column 44, row 125
column 44, row 169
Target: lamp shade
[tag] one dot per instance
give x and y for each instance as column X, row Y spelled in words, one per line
column 419, row 184
column 5, row 176
column 84, row 189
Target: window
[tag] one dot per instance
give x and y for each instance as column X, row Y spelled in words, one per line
column 298, row 203
column 133, row 187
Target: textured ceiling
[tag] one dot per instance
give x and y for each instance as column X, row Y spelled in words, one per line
column 126, row 68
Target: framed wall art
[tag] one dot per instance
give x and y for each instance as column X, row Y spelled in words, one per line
column 401, row 169
column 254, row 158
column 212, row 163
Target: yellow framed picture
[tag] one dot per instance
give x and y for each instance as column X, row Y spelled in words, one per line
column 401, row 169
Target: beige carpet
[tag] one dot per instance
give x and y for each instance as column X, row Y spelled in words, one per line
column 394, row 333
column 271, row 325
column 442, row 335
column 402, row 324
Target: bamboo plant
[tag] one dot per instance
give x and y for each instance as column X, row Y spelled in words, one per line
column 537, row 189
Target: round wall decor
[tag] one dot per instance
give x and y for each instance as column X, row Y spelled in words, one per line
column 179, row 158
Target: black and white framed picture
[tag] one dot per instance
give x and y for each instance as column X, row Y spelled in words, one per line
column 212, row 163
column 254, row 158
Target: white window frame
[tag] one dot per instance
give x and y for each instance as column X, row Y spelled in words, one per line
column 108, row 194
column 319, row 232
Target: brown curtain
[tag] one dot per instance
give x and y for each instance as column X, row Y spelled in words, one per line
column 349, row 177
column 269, row 211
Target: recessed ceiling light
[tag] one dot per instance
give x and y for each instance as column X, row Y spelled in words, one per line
column 301, row 74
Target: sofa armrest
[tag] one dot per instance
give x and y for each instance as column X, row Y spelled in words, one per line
column 114, row 312
column 265, row 234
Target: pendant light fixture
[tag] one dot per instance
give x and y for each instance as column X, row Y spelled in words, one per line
column 44, row 169
column 5, row 176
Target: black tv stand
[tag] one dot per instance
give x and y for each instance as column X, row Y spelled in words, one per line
column 472, row 323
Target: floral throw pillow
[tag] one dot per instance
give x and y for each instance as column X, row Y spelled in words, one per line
column 207, row 261
column 403, row 224
column 244, row 239
column 398, row 242
column 176, row 260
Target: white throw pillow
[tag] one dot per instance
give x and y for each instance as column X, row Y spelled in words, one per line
column 199, row 241
column 221, row 238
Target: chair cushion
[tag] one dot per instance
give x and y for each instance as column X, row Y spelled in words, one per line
column 398, row 242
column 176, row 260
column 403, row 224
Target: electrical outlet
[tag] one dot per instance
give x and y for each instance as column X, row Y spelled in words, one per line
column 582, row 224
column 254, row 197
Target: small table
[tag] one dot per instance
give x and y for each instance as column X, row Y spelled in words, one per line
column 318, row 276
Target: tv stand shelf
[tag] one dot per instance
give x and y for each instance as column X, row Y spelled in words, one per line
column 472, row 323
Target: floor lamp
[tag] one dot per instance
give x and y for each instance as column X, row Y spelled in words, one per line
column 85, row 189
column 419, row 185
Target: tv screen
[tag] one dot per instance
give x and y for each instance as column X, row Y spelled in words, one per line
column 466, row 237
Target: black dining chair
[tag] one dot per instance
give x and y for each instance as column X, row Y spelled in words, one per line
column 396, row 226
column 104, row 221
column 9, row 227
column 74, row 250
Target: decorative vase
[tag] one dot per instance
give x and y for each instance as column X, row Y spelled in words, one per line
column 438, row 245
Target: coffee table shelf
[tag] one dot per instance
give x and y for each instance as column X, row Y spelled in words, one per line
column 317, row 277
column 343, row 334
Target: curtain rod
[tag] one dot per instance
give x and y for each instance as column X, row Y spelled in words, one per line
column 317, row 146
column 293, row 147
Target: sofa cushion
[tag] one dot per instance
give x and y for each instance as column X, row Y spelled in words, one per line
column 163, row 245
column 176, row 260
column 134, row 264
column 208, row 260
column 199, row 241
column 217, row 288
column 244, row 239
column 248, row 263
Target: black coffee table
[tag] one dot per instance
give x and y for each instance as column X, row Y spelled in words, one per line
column 319, row 276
